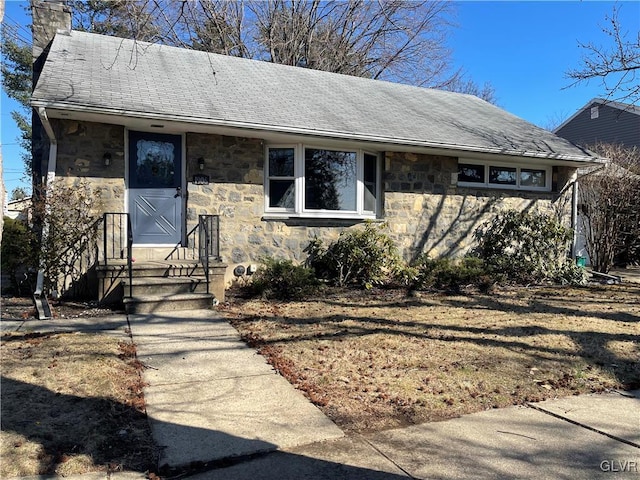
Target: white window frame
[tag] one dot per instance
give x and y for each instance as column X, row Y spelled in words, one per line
column 300, row 211
column 518, row 166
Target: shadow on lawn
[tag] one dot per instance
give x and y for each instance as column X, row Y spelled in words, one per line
column 593, row 346
column 67, row 425
column 63, row 437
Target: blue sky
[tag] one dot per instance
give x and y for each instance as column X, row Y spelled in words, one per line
column 522, row 48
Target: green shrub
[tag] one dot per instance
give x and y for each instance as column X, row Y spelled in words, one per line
column 17, row 251
column 526, row 248
column 363, row 257
column 283, row 280
column 451, row 274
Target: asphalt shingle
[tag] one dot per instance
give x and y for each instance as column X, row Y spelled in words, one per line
column 93, row 72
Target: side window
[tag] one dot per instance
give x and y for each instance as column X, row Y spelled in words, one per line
column 489, row 175
column 471, row 173
column 281, row 180
column 370, row 183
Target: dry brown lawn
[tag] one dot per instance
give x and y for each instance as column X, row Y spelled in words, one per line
column 381, row 359
column 71, row 403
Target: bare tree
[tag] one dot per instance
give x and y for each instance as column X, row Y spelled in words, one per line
column 217, row 27
column 137, row 19
column 401, row 41
column 610, row 207
column 461, row 85
column 392, row 40
column 616, row 65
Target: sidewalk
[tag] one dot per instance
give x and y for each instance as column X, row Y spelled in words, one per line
column 220, row 412
column 215, row 404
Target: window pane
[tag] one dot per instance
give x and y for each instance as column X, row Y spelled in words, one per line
column 468, row 172
column 502, row 175
column 154, row 160
column 533, row 178
column 330, row 180
column 282, row 194
column 281, row 162
column 370, row 182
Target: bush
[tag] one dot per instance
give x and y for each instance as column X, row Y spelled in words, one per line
column 71, row 211
column 527, row 248
column 363, row 257
column 283, row 280
column 17, row 252
column 451, row 274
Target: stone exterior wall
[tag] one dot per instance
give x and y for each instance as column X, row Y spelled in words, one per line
column 424, row 208
column 81, row 150
column 236, row 193
column 428, row 213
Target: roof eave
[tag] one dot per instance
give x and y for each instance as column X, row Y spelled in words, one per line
column 454, row 149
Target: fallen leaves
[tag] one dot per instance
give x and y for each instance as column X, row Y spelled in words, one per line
column 380, row 359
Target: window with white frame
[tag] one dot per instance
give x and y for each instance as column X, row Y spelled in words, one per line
column 321, row 182
column 473, row 173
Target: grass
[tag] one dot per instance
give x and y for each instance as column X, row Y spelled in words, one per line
column 72, row 403
column 382, row 359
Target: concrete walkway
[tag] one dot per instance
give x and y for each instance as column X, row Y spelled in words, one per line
column 213, row 402
column 210, row 397
column 220, row 412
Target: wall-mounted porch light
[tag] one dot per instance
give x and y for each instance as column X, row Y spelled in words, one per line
column 201, row 163
column 106, row 158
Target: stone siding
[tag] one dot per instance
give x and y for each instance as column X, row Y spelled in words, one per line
column 81, row 150
column 428, row 213
column 424, row 208
column 236, row 193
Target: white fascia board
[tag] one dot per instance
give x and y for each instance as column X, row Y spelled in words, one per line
column 197, row 124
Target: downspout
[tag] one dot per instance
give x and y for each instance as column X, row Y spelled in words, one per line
column 574, row 215
column 41, row 301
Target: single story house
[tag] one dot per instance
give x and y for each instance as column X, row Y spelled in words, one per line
column 19, row 210
column 281, row 155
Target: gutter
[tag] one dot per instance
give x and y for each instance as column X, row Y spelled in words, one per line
column 310, row 131
column 40, row 300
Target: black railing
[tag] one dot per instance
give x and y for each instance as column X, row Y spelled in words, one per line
column 118, row 241
column 208, row 242
column 202, row 244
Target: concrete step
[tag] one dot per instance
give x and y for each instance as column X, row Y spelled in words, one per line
column 182, row 268
column 144, row 254
column 168, row 303
column 165, row 285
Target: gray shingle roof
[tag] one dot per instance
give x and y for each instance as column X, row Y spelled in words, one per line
column 97, row 73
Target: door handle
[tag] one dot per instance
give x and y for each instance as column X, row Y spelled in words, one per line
column 178, row 192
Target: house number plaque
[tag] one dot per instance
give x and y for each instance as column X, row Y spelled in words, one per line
column 201, row 179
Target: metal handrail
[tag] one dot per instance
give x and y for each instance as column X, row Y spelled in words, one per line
column 208, row 242
column 130, row 254
column 118, row 241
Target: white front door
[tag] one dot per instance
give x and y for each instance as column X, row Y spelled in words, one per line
column 155, row 188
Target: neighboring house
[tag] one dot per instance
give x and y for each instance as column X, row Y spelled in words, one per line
column 603, row 121
column 283, row 154
column 19, row 209
column 600, row 121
